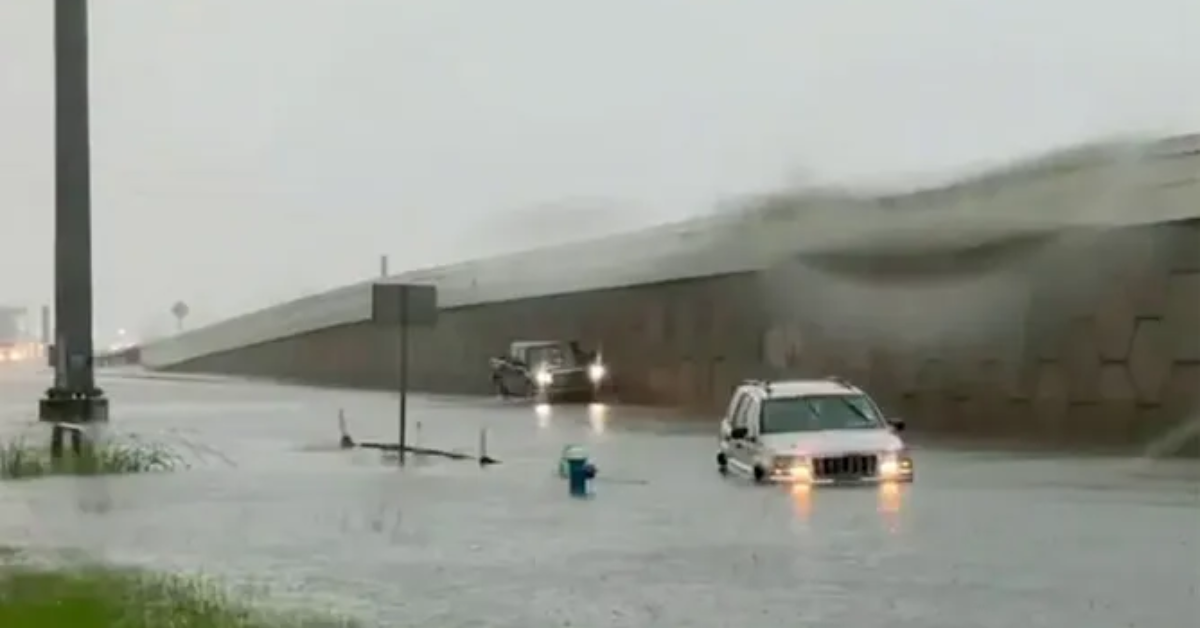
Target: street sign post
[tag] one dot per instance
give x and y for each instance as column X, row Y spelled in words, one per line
column 180, row 311
column 403, row 306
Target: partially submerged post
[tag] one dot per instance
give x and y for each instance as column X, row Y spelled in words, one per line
column 346, row 441
column 73, row 401
column 403, row 306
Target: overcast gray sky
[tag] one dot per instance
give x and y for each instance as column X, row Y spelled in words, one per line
column 251, row 150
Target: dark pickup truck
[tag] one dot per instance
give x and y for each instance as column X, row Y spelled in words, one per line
column 549, row 370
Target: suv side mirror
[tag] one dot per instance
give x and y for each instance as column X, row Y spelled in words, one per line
column 897, row 424
column 738, row 433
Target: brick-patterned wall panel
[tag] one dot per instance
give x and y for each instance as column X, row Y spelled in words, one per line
column 1182, row 315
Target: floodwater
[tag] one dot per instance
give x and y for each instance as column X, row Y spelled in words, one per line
column 981, row 540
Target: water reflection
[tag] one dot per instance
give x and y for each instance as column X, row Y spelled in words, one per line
column 542, row 410
column 598, row 417
column 802, row 500
column 890, row 496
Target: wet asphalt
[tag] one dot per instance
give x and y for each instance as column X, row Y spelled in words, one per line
column 981, row 539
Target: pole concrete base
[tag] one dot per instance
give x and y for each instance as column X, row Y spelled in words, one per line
column 68, row 412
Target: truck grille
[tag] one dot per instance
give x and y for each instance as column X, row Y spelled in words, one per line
column 852, row 466
column 572, row 379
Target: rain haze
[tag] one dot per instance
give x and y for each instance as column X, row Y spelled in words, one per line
column 250, row 151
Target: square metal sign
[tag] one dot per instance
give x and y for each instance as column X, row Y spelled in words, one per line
column 408, row 304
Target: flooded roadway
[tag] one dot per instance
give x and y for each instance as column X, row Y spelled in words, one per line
column 981, row 540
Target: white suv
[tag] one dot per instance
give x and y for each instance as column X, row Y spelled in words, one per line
column 822, row 431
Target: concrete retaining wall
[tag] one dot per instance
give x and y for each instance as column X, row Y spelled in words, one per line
column 1001, row 310
column 129, row 356
column 1087, row 336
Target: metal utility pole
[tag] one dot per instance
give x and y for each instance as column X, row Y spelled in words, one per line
column 383, row 266
column 74, row 399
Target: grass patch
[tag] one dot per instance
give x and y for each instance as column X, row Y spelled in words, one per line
column 102, row 597
column 21, row 459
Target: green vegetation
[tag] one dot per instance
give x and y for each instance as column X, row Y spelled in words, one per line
column 20, row 459
column 99, row 597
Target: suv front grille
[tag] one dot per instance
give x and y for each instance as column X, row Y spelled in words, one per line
column 845, row 467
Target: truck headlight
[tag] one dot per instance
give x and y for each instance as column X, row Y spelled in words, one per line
column 597, row 372
column 543, row 378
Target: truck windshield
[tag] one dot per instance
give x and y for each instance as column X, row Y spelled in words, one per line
column 819, row 412
column 549, row 355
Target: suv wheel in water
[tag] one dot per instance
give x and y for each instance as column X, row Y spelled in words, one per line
column 760, row 474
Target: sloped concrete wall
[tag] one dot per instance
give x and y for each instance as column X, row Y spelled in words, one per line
column 1115, row 185
column 1085, row 335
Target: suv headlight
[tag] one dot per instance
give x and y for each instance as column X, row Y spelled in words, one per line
column 543, row 377
column 894, row 464
column 789, row 465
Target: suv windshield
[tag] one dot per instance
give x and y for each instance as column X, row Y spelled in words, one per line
column 820, row 412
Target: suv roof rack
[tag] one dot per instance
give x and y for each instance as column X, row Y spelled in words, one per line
column 761, row 383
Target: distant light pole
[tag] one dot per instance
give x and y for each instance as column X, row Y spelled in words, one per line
column 73, row 400
column 47, row 335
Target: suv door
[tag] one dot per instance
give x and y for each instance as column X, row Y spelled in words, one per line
column 752, row 443
column 727, row 418
column 740, row 449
